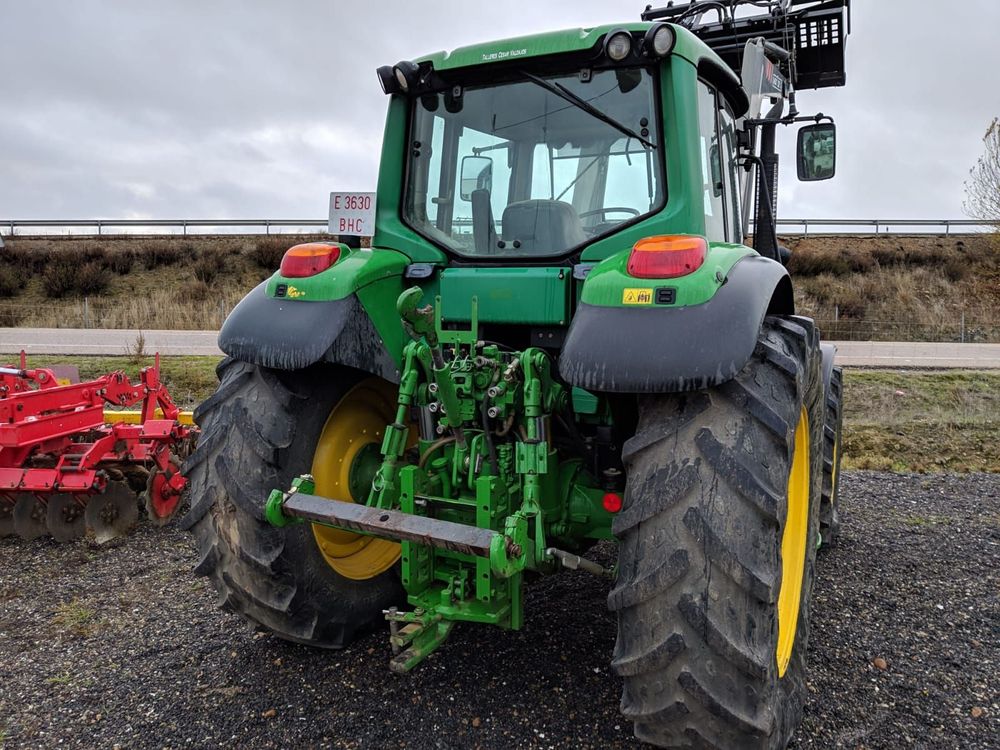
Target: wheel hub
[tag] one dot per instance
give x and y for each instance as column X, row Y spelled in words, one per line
column 346, row 458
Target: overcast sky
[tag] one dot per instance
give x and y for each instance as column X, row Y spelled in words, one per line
column 208, row 108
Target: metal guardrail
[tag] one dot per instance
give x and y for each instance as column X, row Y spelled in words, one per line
column 11, row 225
column 888, row 224
column 101, row 225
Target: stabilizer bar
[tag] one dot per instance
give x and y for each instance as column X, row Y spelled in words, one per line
column 390, row 524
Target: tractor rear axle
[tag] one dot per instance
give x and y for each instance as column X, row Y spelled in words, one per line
column 469, row 483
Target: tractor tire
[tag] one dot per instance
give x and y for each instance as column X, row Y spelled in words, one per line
column 829, row 513
column 259, row 431
column 717, row 537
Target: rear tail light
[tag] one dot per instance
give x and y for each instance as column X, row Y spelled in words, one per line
column 666, row 256
column 612, row 502
column 309, row 259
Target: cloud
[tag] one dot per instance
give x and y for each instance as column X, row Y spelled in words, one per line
column 190, row 109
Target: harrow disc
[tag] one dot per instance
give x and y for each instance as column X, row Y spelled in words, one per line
column 160, row 498
column 6, row 518
column 112, row 513
column 65, row 518
column 29, row 517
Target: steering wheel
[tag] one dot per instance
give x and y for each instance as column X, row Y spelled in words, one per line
column 604, row 225
column 610, row 209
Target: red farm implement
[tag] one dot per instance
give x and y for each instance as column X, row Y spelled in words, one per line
column 66, row 470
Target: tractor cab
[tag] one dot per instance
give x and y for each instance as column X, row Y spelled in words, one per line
column 548, row 149
column 551, row 148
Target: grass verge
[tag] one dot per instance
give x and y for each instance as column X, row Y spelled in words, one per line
column 897, row 420
column 190, row 380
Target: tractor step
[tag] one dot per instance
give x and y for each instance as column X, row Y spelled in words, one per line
column 390, row 524
column 414, row 636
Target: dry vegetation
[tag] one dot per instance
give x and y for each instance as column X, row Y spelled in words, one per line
column 921, row 285
column 132, row 282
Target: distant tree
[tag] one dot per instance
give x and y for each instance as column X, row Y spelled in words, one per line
column 982, row 189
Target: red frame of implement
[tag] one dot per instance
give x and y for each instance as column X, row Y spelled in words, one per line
column 42, row 421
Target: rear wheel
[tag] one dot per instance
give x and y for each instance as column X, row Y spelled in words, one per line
column 261, row 429
column 718, row 539
column 829, row 514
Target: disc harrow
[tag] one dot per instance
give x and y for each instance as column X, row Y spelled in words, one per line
column 67, row 469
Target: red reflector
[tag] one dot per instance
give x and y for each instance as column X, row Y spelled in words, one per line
column 666, row 256
column 308, row 259
column 612, row 502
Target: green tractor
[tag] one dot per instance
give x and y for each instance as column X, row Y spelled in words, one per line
column 556, row 337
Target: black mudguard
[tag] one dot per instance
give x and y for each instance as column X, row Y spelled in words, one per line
column 669, row 350
column 829, row 351
column 291, row 335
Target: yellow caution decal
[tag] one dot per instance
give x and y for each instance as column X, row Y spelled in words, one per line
column 637, row 296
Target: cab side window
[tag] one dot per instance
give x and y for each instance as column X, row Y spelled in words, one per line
column 712, row 160
column 732, row 175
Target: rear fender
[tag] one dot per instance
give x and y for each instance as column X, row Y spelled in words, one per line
column 657, row 349
column 828, row 352
column 344, row 315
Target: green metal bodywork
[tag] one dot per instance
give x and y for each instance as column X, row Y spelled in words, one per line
column 607, row 281
column 538, row 295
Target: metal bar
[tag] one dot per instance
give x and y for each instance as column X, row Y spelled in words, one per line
column 391, row 524
column 101, row 226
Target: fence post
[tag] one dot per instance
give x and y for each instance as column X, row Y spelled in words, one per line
column 963, row 327
column 98, row 227
column 836, row 313
column 86, row 313
column 805, row 228
column 267, row 227
column 947, row 227
column 184, row 226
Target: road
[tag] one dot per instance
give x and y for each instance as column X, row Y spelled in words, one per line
column 108, row 342
column 917, row 354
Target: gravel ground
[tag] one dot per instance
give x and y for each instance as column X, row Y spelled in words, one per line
column 121, row 646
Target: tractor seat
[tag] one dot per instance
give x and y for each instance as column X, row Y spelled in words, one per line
column 543, row 227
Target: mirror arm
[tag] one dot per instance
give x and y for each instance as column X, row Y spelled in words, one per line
column 790, row 120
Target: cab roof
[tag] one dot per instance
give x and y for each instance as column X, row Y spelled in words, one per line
column 687, row 46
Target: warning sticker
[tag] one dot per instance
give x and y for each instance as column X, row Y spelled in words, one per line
column 637, row 296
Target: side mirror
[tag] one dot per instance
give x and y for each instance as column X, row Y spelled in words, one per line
column 816, row 152
column 476, row 174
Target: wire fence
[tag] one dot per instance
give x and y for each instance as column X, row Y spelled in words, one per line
column 102, row 227
column 960, row 331
column 886, row 226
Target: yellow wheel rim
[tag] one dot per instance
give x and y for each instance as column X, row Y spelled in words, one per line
column 352, row 432
column 794, row 542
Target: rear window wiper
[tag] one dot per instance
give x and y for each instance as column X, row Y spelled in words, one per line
column 564, row 93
